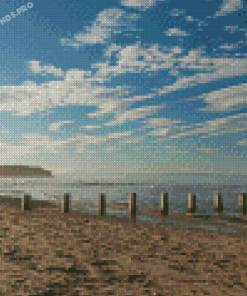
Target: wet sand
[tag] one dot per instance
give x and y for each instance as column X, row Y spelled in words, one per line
column 46, row 252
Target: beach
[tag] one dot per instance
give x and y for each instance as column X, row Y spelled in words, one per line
column 46, row 252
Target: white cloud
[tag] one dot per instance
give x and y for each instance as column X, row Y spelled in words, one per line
column 134, row 114
column 131, row 141
column 42, row 144
column 191, row 19
column 74, row 90
column 110, row 107
column 216, row 127
column 232, row 29
column 228, row 47
column 108, row 23
column 161, row 122
column 45, row 144
column 91, row 126
column 112, row 48
column 56, row 125
column 35, row 144
column 226, row 99
column 140, row 4
column 36, row 68
column 162, row 126
column 23, row 99
column 80, row 143
column 159, row 132
column 9, row 150
column 176, row 32
column 136, row 59
column 119, row 135
column 229, row 6
column 176, row 130
column 76, row 75
column 212, row 69
column 86, row 139
column 79, row 88
column 118, row 141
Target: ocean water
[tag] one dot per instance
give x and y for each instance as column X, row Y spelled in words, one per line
column 85, row 197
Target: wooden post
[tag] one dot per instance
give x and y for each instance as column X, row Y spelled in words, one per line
column 191, row 203
column 65, row 202
column 102, row 204
column 218, row 203
column 242, row 203
column 132, row 205
column 164, row 204
column 26, row 202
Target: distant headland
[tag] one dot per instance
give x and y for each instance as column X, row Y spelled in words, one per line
column 23, row 171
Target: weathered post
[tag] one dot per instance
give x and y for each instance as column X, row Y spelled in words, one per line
column 132, row 205
column 218, row 203
column 242, row 203
column 164, row 204
column 65, row 202
column 102, row 204
column 191, row 203
column 26, row 202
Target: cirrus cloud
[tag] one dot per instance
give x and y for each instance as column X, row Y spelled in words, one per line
column 229, row 6
column 176, row 32
column 140, row 4
column 108, row 23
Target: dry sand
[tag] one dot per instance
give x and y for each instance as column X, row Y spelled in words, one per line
column 46, row 252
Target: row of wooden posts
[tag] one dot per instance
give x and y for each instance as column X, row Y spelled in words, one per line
column 217, row 203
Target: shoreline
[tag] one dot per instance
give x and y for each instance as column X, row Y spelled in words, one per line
column 184, row 220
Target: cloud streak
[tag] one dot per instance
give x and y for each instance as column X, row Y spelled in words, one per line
column 109, row 23
column 37, row 69
column 55, row 126
column 229, row 6
column 176, row 32
column 140, row 4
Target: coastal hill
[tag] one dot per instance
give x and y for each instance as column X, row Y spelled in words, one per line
column 23, row 171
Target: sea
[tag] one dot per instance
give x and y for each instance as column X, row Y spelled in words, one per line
column 85, row 196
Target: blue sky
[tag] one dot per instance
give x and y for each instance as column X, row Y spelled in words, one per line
column 102, row 88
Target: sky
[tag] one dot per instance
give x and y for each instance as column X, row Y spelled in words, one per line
column 100, row 89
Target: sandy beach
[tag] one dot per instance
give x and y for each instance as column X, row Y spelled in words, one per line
column 46, row 252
